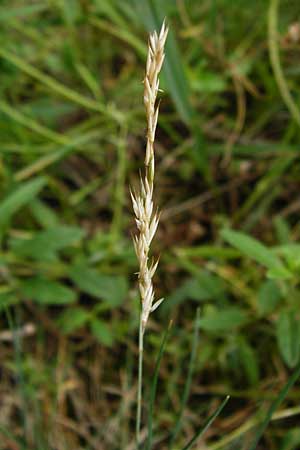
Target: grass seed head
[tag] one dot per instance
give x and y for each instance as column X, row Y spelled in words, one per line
column 142, row 201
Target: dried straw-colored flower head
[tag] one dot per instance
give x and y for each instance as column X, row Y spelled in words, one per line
column 146, row 218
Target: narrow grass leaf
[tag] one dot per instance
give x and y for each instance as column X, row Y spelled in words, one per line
column 273, row 44
column 18, row 441
column 173, row 70
column 7, row 14
column 121, row 33
column 32, row 124
column 291, row 441
column 54, row 85
column 41, row 164
column 110, row 10
column 154, row 388
column 279, row 399
column 188, row 382
column 207, row 424
column 152, row 13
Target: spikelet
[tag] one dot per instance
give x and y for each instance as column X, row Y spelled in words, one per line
column 146, row 218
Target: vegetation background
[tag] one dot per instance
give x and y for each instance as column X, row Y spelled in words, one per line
column 72, row 129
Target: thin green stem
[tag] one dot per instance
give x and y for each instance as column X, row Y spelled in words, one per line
column 207, row 424
column 140, row 384
column 187, row 387
column 31, row 124
column 275, row 61
column 154, row 388
column 61, row 89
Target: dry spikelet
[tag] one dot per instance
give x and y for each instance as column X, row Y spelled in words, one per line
column 146, row 218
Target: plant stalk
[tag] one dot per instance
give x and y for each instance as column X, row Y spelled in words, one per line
column 140, row 385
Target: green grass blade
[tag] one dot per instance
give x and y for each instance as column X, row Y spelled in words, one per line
column 207, row 424
column 20, row 12
column 276, row 64
column 7, row 434
column 46, row 160
column 122, row 34
column 59, row 88
column 111, row 10
column 188, row 383
column 154, row 388
column 175, row 78
column 31, row 124
column 279, row 399
column 152, row 13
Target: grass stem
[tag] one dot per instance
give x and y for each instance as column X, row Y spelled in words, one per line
column 140, row 385
column 275, row 61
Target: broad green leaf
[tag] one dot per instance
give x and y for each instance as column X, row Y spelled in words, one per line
column 203, row 287
column 44, row 244
column 46, row 292
column 279, row 273
column 190, row 289
column 288, row 338
column 102, row 332
column 72, row 319
column 111, row 288
column 291, row 253
column 269, row 297
column 223, row 320
column 249, row 361
column 254, row 249
column 44, row 215
column 282, row 229
column 205, row 81
column 21, row 196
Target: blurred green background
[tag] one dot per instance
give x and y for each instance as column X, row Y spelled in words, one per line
column 72, row 141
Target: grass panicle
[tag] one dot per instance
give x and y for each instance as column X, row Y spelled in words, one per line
column 146, row 218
